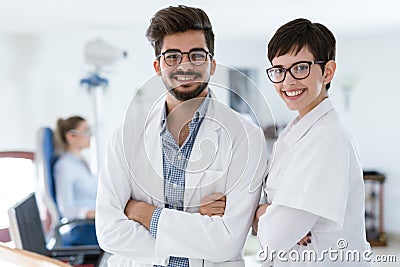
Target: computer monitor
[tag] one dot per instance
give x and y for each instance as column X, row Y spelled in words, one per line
column 27, row 233
column 26, row 227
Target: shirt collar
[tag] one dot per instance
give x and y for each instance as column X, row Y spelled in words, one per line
column 200, row 112
column 299, row 126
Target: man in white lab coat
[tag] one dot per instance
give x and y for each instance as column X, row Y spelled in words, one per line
column 180, row 185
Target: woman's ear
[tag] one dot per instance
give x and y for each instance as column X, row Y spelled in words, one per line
column 330, row 68
column 70, row 137
column 157, row 67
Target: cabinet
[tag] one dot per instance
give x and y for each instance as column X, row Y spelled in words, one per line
column 374, row 182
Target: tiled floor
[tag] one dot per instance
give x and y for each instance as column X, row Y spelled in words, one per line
column 390, row 251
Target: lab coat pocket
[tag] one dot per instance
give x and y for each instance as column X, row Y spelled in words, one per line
column 212, row 182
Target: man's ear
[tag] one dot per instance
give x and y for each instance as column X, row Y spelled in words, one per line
column 157, row 67
column 330, row 68
column 213, row 66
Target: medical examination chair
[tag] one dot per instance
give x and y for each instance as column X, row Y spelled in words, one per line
column 57, row 230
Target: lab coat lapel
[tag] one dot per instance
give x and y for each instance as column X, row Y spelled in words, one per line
column 154, row 180
column 299, row 129
column 203, row 153
column 294, row 132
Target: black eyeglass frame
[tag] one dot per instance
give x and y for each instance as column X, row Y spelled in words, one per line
column 187, row 53
column 286, row 70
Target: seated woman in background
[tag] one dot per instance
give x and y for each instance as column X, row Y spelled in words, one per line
column 75, row 185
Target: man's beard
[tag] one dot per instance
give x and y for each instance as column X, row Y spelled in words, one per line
column 183, row 95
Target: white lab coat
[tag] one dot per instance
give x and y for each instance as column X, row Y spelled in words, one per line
column 229, row 155
column 315, row 168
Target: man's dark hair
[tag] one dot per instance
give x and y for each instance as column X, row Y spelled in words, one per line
column 175, row 19
column 296, row 34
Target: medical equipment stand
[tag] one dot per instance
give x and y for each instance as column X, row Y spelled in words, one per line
column 96, row 86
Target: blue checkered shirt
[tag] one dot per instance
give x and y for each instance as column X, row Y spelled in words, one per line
column 175, row 161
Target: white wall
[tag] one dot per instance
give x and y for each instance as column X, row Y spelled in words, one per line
column 371, row 62
column 39, row 76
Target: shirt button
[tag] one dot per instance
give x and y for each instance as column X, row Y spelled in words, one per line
column 179, row 156
column 174, row 186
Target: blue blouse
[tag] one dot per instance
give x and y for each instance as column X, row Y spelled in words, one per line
column 75, row 185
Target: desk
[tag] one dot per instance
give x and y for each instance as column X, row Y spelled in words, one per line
column 8, row 264
column 13, row 257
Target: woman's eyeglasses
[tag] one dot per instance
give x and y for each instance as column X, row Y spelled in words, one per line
column 299, row 70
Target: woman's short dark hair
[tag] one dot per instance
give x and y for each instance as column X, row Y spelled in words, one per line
column 296, row 34
column 175, row 19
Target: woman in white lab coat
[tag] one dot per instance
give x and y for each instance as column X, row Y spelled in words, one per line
column 315, row 182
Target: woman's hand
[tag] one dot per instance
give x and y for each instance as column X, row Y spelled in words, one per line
column 259, row 212
column 305, row 240
column 90, row 214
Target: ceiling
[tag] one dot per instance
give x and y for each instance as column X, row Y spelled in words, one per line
column 249, row 18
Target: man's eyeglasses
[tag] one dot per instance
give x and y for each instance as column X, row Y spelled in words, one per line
column 174, row 57
column 299, row 70
column 86, row 132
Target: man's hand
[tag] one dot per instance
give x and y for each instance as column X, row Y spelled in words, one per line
column 213, row 204
column 140, row 212
column 259, row 212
